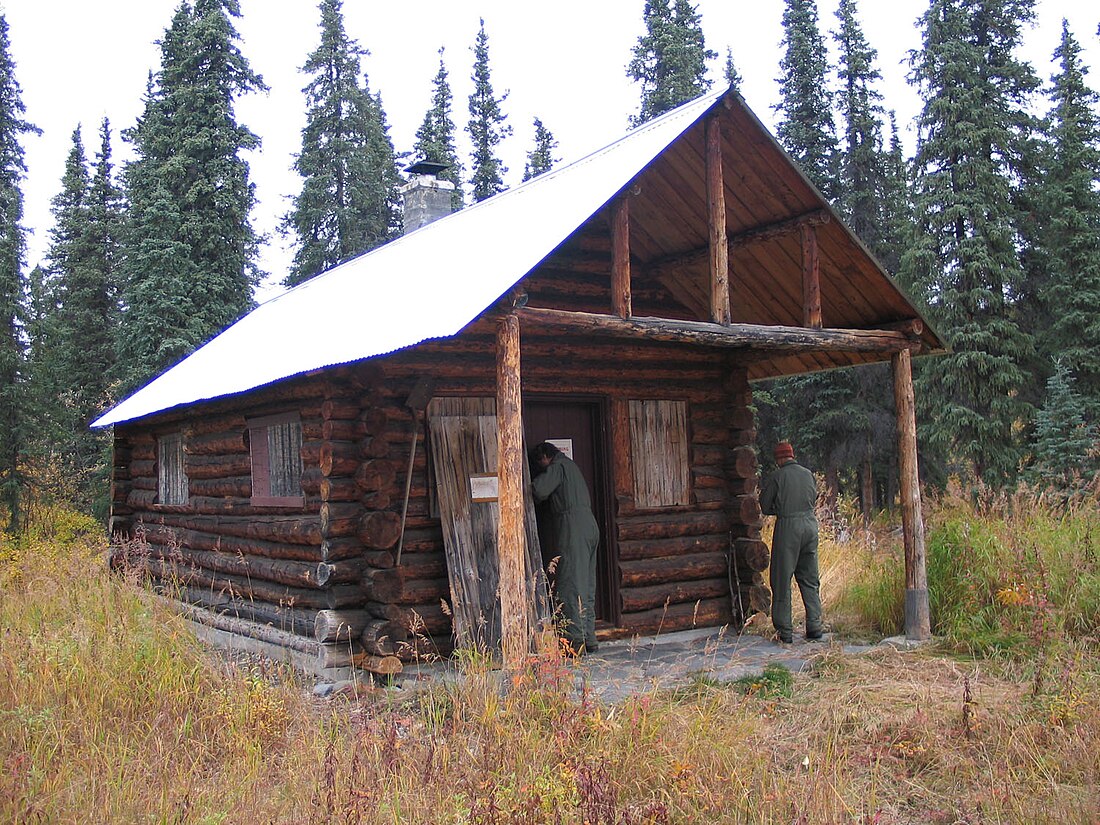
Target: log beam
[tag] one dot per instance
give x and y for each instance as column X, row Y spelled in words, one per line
column 695, row 257
column 511, row 536
column 620, row 258
column 744, row 336
column 917, row 621
column 718, row 248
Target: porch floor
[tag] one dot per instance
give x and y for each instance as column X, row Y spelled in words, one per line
column 633, row 666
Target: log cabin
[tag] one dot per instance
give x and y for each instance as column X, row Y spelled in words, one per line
column 342, row 472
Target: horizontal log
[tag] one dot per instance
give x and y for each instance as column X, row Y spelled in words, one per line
column 677, row 568
column 224, row 422
column 340, row 625
column 374, row 447
column 217, row 466
column 634, row 550
column 234, row 486
column 383, row 585
column 374, row 419
column 141, row 498
column 384, row 638
column 424, row 591
column 764, row 338
column 169, row 535
column 344, row 654
column 419, row 619
column 230, row 442
column 635, row 599
column 375, row 475
column 760, row 598
column 378, row 500
column 241, row 506
column 143, row 468
column 175, row 574
column 341, row 572
column 241, row 626
column 311, row 481
column 336, row 549
column 333, row 408
column 339, row 519
column 704, row 613
column 379, row 529
column 281, row 571
column 743, row 462
column 746, row 510
column 339, row 489
column 289, row 619
column 288, row 529
column 752, row 553
column 424, row 565
column 671, row 525
column 338, row 458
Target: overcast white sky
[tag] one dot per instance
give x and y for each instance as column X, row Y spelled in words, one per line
column 563, row 61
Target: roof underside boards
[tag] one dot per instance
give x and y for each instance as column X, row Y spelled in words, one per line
column 435, row 281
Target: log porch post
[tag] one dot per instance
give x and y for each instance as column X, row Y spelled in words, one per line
column 620, row 257
column 515, row 634
column 811, row 278
column 917, row 622
column 716, row 224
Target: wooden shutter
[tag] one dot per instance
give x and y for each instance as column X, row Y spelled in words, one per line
column 171, row 476
column 659, row 453
column 463, row 435
column 275, row 444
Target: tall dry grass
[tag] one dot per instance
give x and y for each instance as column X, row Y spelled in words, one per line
column 111, row 712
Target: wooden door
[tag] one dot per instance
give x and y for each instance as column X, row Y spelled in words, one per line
column 463, row 433
column 579, row 425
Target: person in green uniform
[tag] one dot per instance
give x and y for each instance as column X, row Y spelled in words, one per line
column 790, row 494
column 577, row 534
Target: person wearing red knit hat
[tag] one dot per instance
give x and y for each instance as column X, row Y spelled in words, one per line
column 790, row 494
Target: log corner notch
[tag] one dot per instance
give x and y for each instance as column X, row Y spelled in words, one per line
column 511, row 535
column 917, row 619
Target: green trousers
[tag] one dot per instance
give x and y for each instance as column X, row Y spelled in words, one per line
column 794, row 553
column 578, row 537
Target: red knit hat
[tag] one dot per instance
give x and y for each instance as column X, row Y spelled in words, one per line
column 784, row 451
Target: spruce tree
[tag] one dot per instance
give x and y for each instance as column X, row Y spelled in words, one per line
column 541, row 158
column 670, row 59
column 190, row 255
column 12, row 249
column 487, row 126
column 1063, row 449
column 730, row 73
column 806, row 129
column 435, row 139
column 349, row 202
column 1068, row 223
column 964, row 263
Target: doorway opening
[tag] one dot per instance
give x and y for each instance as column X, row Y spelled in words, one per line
column 578, row 426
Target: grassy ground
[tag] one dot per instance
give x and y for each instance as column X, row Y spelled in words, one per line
column 111, row 712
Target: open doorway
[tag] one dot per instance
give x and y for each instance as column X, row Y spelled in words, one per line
column 578, row 427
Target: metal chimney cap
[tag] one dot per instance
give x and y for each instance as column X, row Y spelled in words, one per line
column 427, row 167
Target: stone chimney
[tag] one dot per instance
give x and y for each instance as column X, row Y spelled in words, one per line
column 426, row 196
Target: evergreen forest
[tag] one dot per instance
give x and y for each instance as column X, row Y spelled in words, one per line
column 991, row 224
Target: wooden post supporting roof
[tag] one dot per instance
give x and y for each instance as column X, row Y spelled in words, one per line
column 716, row 223
column 811, row 278
column 620, row 257
column 917, row 622
column 515, row 634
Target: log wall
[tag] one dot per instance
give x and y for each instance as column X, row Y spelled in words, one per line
column 329, row 567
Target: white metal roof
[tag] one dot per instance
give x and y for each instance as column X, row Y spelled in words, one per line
column 428, row 284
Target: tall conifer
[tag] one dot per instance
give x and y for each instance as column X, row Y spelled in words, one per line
column 487, row 126
column 12, row 250
column 191, row 252
column 670, row 59
column 541, row 158
column 806, row 129
column 964, row 261
column 1068, row 223
column 349, row 202
column 435, row 139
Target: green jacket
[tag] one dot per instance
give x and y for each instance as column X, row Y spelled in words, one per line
column 789, row 491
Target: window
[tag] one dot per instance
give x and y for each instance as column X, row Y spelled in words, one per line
column 659, row 450
column 171, row 475
column 276, row 446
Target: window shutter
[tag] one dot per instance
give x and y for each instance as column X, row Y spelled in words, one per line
column 171, row 475
column 659, row 448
